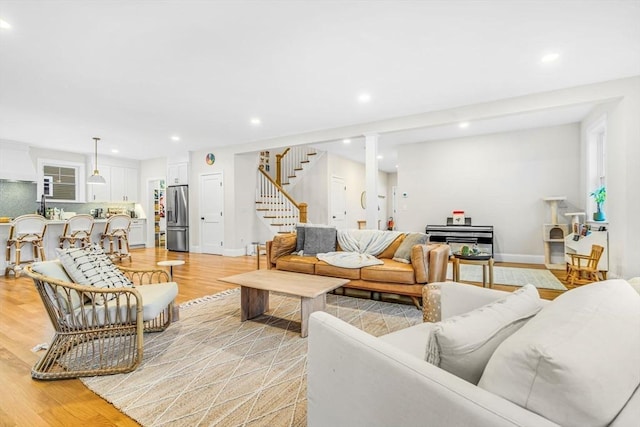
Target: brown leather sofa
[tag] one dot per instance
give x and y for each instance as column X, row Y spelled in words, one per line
column 428, row 264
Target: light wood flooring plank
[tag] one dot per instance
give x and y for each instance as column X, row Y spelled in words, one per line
column 24, row 323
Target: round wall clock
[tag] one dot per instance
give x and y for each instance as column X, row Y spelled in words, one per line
column 211, row 159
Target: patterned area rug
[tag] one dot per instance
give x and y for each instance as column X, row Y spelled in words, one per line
column 211, row 369
column 543, row 279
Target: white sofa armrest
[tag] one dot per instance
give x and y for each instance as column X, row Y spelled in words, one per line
column 355, row 379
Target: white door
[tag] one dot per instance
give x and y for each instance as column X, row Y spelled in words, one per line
column 211, row 213
column 338, row 202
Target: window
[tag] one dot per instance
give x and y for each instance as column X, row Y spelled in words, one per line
column 60, row 180
column 596, row 159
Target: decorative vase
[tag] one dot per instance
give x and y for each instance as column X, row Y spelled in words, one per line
column 599, row 214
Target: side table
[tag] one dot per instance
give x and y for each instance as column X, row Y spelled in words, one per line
column 175, row 313
column 486, row 263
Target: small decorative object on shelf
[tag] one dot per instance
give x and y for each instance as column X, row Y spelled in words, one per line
column 599, row 196
column 458, row 218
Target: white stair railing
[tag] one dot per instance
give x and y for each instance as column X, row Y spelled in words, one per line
column 290, row 163
column 275, row 207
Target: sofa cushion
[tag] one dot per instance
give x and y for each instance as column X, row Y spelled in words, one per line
column 393, row 247
column 403, row 253
column 464, row 344
column 91, row 266
column 576, row 361
column 283, row 244
column 318, row 240
column 298, row 264
column 389, row 272
column 325, row 269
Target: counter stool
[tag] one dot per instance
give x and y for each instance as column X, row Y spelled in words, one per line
column 117, row 232
column 25, row 229
column 78, row 228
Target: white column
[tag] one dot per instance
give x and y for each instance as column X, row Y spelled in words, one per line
column 371, row 179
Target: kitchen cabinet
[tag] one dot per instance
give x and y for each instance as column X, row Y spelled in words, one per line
column 100, row 193
column 122, row 185
column 137, row 233
column 178, row 173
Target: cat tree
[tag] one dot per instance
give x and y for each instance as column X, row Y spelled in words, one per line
column 553, row 233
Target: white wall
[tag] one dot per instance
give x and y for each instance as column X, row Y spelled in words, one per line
column 497, row 180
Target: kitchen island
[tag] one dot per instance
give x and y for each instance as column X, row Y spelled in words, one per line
column 54, row 231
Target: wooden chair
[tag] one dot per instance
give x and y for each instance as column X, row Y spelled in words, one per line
column 25, row 229
column 78, row 228
column 116, row 231
column 583, row 269
column 99, row 339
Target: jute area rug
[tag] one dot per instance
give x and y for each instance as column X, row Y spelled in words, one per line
column 543, row 279
column 211, row 369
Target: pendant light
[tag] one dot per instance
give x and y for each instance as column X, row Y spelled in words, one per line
column 96, row 178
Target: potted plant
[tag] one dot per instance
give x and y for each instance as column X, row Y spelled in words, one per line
column 599, row 196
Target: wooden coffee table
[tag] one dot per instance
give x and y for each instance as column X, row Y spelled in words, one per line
column 256, row 285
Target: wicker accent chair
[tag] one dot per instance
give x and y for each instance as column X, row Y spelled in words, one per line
column 116, row 232
column 99, row 339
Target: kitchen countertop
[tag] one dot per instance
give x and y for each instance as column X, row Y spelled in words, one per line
column 61, row 221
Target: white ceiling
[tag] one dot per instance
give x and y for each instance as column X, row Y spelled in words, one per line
column 137, row 72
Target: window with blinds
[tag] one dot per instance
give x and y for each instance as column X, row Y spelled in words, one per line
column 60, row 182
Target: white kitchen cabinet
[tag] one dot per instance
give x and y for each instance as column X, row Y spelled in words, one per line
column 178, row 173
column 100, row 193
column 124, row 184
column 137, row 233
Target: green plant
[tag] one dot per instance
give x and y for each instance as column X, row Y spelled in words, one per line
column 599, row 195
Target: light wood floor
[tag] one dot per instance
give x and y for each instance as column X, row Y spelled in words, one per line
column 24, row 324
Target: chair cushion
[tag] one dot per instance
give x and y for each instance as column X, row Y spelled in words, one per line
column 464, row 344
column 403, row 254
column 91, row 266
column 576, row 361
column 155, row 298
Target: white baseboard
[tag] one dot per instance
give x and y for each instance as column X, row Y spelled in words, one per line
column 234, row 252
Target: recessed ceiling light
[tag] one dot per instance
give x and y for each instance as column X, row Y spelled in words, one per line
column 115, row 150
column 346, row 141
column 380, row 156
column 396, row 166
column 4, row 25
column 175, row 138
column 550, row 57
column 463, row 125
column 256, row 121
column 364, row 97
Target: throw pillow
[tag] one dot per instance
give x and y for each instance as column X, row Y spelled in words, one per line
column 464, row 344
column 300, row 238
column 91, row 266
column 55, row 270
column 403, row 254
column 318, row 240
column 393, row 247
column 576, row 362
column 283, row 244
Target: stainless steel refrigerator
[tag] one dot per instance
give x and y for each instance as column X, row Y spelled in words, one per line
column 177, row 212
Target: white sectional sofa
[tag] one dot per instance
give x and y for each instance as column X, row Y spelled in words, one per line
column 355, row 379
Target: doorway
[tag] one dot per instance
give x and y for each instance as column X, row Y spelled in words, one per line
column 338, row 205
column 212, row 213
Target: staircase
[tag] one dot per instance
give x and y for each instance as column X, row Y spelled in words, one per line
column 274, row 206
